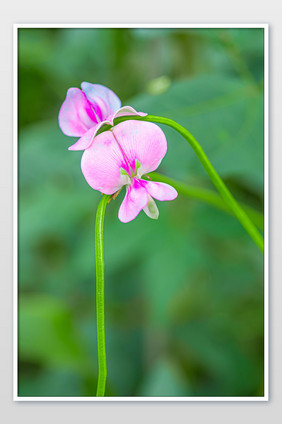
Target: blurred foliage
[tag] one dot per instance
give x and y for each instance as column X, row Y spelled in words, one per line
column 184, row 294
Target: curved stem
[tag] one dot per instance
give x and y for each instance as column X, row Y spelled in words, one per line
column 100, row 280
column 215, row 178
column 208, row 196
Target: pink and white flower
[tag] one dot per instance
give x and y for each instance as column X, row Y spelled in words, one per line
column 85, row 111
column 120, row 157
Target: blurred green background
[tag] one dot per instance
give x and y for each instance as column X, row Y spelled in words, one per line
column 184, row 294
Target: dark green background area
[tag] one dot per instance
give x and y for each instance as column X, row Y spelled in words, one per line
column 184, row 294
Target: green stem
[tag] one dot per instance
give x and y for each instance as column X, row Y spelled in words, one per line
column 100, row 280
column 208, row 196
column 215, row 178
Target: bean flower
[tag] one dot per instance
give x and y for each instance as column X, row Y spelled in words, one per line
column 120, row 157
column 117, row 157
column 85, row 111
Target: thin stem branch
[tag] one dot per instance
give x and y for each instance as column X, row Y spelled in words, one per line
column 215, row 178
column 100, row 280
column 207, row 196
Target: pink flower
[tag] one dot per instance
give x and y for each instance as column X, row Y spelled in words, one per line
column 120, row 157
column 85, row 111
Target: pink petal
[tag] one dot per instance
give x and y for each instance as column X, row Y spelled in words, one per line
column 142, row 141
column 160, row 191
column 101, row 164
column 85, row 141
column 135, row 200
column 124, row 111
column 76, row 115
column 127, row 111
column 104, row 101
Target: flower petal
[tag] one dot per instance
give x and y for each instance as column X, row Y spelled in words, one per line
column 135, row 200
column 87, row 138
column 160, row 191
column 104, row 101
column 141, row 141
column 125, row 111
column 85, row 141
column 101, row 164
column 76, row 116
column 151, row 209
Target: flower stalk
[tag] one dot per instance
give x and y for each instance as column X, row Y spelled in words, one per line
column 100, row 282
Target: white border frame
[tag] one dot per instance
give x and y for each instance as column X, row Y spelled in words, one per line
column 264, row 398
